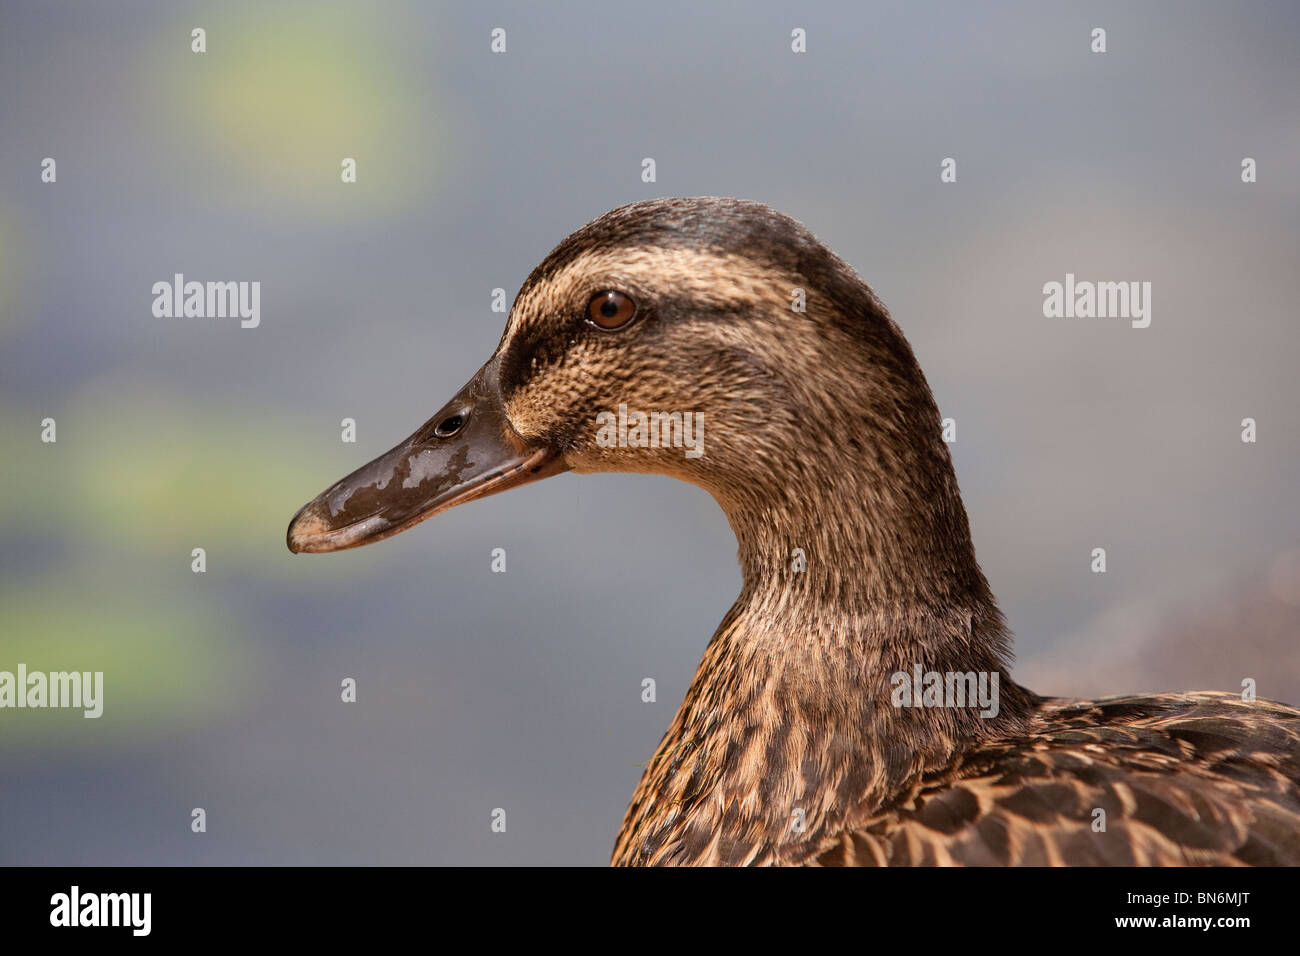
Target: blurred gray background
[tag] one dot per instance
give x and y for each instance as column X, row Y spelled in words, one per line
column 522, row 690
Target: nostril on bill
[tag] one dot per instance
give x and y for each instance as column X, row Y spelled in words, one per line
column 450, row 425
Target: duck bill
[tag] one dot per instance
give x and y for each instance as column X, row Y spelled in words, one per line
column 426, row 474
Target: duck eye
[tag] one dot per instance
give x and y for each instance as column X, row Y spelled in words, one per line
column 610, row 310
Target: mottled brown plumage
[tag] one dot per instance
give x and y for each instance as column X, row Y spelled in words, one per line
column 823, row 446
column 1183, row 779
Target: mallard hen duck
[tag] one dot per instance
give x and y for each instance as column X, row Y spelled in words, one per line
column 798, row 743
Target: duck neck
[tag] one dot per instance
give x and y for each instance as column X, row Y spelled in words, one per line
column 874, row 627
column 865, row 649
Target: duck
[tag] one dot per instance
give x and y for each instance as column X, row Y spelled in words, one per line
column 797, row 742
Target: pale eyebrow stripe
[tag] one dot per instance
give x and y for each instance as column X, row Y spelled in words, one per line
column 714, row 279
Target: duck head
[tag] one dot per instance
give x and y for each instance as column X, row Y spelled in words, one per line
column 712, row 340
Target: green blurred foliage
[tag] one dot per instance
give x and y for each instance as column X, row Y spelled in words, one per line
column 286, row 91
column 97, row 529
column 109, row 518
column 172, row 659
column 172, row 475
column 10, row 268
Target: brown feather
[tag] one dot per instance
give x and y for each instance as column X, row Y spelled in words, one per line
column 823, row 436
